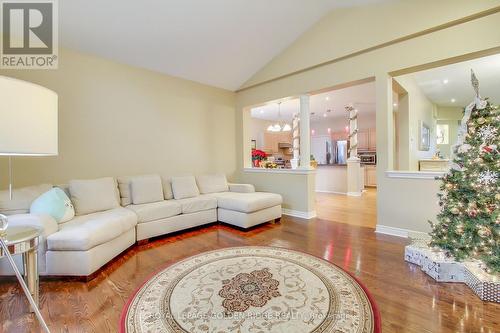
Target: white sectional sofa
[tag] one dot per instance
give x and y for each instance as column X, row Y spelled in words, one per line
column 112, row 215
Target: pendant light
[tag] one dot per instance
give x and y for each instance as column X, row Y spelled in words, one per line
column 280, row 126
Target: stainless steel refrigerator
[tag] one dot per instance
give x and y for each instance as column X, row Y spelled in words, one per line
column 341, row 152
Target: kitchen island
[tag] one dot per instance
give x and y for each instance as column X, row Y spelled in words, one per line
column 332, row 178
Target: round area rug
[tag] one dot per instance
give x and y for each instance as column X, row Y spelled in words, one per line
column 251, row 289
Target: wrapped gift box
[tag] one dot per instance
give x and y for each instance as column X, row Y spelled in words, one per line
column 486, row 286
column 435, row 263
column 443, row 268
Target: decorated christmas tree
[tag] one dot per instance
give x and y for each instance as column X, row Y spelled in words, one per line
column 468, row 224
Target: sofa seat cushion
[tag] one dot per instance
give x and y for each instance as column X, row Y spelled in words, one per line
column 197, row 204
column 156, row 210
column 247, row 202
column 87, row 231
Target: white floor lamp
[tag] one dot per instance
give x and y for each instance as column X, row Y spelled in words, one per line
column 28, row 118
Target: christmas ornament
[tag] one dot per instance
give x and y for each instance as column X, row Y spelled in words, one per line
column 488, row 132
column 464, row 148
column 484, row 232
column 488, row 177
column 455, row 210
column 490, row 148
column 472, row 212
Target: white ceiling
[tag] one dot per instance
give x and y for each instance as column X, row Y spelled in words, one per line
column 217, row 42
column 328, row 105
column 458, row 86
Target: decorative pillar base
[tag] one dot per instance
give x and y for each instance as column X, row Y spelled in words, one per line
column 354, row 179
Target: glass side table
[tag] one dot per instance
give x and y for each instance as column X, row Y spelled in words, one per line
column 24, row 240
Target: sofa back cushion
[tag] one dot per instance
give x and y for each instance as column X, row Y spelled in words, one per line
column 212, row 183
column 55, row 203
column 124, row 189
column 146, row 189
column 184, row 187
column 94, row 195
column 167, row 188
column 21, row 199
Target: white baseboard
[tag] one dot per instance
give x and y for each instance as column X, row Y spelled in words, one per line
column 354, row 194
column 331, row 192
column 398, row 232
column 299, row 213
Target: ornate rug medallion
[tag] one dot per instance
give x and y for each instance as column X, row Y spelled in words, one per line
column 250, row 289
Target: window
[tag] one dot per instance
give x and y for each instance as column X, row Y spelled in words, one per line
column 442, row 134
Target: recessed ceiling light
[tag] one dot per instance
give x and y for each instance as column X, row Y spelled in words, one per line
column 324, row 114
column 453, row 100
column 261, row 111
column 395, row 104
column 445, row 81
column 327, row 98
column 329, row 130
column 313, row 131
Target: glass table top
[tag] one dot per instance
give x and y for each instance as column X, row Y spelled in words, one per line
column 19, row 234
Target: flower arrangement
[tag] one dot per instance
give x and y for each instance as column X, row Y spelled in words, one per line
column 258, row 156
column 270, row 165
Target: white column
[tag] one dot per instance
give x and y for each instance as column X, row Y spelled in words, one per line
column 354, row 179
column 295, row 141
column 305, row 133
column 353, row 131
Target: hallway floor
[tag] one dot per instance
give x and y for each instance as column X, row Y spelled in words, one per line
column 357, row 211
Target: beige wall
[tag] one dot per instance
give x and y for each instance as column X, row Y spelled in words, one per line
column 369, row 26
column 420, row 108
column 297, row 190
column 119, row 120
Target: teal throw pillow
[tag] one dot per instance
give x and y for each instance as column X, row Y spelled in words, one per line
column 55, row 203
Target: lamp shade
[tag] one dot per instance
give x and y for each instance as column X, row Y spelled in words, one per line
column 28, row 119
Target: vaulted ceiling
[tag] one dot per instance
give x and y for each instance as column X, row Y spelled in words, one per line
column 217, row 42
column 451, row 85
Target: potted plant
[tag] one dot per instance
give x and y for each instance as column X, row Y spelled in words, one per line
column 257, row 157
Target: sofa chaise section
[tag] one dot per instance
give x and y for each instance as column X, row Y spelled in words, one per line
column 239, row 204
column 87, row 242
column 246, row 210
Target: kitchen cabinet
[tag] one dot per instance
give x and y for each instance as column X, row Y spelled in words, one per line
column 367, row 139
column 272, row 140
column 372, row 139
column 363, row 139
column 371, row 175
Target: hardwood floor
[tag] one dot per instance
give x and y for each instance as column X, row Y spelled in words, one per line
column 409, row 300
column 360, row 211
